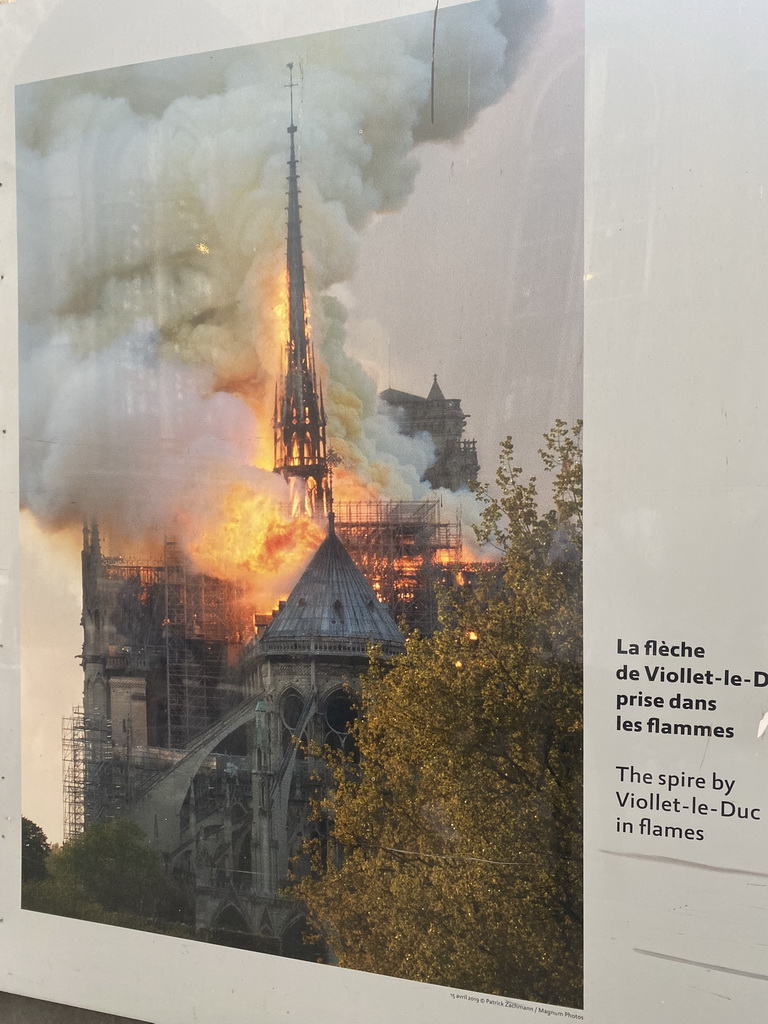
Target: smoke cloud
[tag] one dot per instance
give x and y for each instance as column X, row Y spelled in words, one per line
column 127, row 436
column 152, row 251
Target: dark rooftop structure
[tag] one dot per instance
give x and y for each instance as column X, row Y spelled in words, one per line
column 333, row 609
column 442, row 419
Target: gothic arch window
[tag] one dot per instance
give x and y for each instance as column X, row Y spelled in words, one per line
column 339, row 712
column 244, row 853
column 99, row 697
column 291, row 708
column 231, row 919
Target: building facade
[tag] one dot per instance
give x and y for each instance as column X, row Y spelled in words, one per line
column 230, row 808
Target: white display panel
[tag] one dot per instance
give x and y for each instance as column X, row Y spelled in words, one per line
column 674, row 232
column 675, row 307
column 511, row 138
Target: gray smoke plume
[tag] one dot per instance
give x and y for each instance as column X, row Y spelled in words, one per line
column 151, row 248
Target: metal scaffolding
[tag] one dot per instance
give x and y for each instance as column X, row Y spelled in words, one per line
column 182, row 631
column 203, row 623
column 88, row 783
column 404, row 548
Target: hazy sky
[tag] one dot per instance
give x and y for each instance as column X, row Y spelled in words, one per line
column 475, row 275
column 485, row 260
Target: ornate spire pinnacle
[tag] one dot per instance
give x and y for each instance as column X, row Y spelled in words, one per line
column 299, row 424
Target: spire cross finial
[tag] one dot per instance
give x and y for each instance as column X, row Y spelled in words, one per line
column 291, row 85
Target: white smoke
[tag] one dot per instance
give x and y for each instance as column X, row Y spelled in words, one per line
column 126, row 437
column 152, row 241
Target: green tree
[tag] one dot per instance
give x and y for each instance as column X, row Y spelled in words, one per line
column 35, row 849
column 454, row 854
column 111, row 874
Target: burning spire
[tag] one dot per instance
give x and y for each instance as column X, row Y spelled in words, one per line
column 299, row 422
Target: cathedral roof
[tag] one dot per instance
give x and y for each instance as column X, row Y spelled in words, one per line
column 395, row 397
column 332, row 609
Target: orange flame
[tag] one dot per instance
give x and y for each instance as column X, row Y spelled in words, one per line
column 254, row 536
column 279, row 314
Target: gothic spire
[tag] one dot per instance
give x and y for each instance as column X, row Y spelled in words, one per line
column 300, row 453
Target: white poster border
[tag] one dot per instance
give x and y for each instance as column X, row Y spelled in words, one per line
column 152, row 977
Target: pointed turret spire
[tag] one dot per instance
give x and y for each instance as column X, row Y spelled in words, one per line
column 435, row 392
column 300, row 453
column 332, row 609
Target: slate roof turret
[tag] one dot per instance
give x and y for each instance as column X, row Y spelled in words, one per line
column 332, row 610
column 435, row 392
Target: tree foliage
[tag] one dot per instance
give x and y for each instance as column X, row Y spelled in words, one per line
column 34, row 851
column 110, row 874
column 454, row 853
